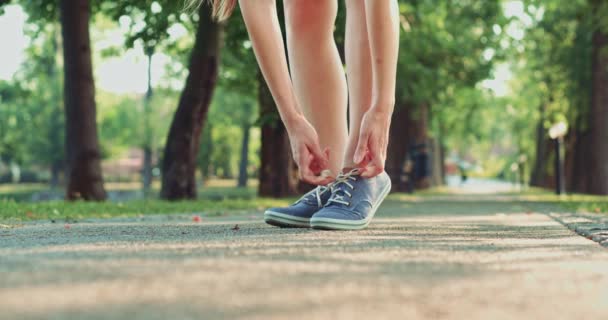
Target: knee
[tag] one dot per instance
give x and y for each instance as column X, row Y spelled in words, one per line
column 310, row 18
column 355, row 5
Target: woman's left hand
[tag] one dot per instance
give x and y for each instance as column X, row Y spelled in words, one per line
column 370, row 154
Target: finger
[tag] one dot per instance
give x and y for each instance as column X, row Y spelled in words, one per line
column 304, row 161
column 376, row 165
column 309, row 177
column 320, row 157
column 362, row 145
column 371, row 171
column 364, row 163
column 307, row 174
column 378, row 158
column 318, row 167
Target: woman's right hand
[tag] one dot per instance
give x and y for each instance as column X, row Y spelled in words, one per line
column 307, row 153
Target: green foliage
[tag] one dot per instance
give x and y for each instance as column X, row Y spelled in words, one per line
column 32, row 103
column 120, row 120
column 448, row 49
column 443, row 45
column 229, row 114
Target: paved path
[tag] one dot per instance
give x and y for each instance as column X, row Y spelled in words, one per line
column 479, row 186
column 424, row 259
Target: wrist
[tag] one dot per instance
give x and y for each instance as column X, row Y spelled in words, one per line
column 292, row 120
column 382, row 106
column 381, row 110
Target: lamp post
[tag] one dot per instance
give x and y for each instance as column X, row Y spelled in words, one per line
column 557, row 133
column 514, row 169
column 522, row 170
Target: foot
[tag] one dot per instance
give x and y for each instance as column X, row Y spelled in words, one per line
column 298, row 214
column 353, row 202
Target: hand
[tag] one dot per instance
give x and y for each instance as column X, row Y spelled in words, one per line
column 307, row 153
column 370, row 154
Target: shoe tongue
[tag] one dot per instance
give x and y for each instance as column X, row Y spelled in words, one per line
column 338, row 192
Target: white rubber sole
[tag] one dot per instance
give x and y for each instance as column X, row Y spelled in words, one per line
column 285, row 221
column 338, row 224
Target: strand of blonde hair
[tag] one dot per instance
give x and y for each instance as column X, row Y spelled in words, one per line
column 222, row 9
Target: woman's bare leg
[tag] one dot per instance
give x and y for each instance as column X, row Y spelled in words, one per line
column 383, row 33
column 382, row 20
column 316, row 72
column 358, row 71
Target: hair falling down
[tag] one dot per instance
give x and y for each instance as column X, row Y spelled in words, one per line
column 221, row 8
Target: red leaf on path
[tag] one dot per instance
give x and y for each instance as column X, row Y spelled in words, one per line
column 67, row 226
column 196, row 218
column 236, row 227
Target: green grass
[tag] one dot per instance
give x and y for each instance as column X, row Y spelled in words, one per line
column 222, row 199
column 571, row 202
column 218, row 198
column 598, row 206
column 11, row 211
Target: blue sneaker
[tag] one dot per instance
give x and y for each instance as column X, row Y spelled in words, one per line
column 353, row 202
column 298, row 214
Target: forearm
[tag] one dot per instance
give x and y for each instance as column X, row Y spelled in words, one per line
column 383, row 30
column 265, row 33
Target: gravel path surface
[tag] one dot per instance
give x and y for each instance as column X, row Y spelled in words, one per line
column 433, row 259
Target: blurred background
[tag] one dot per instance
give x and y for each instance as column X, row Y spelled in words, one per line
column 130, row 100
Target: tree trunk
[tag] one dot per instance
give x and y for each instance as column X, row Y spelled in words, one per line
column 206, row 152
column 538, row 175
column 437, row 178
column 277, row 174
column 183, row 142
column 398, row 146
column 578, row 147
column 409, row 128
column 84, row 176
column 244, row 156
column 598, row 158
column 420, row 136
column 442, row 155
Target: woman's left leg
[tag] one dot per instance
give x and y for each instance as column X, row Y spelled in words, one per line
column 317, row 73
column 320, row 89
column 371, row 44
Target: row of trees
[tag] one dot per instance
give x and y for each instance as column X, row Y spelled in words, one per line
column 447, row 50
column 181, row 152
column 563, row 72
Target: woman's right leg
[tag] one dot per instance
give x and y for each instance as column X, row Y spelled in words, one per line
column 317, row 73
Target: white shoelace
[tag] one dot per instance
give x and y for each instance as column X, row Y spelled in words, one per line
column 343, row 178
column 316, row 192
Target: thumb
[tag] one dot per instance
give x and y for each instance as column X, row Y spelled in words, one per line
column 361, row 148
